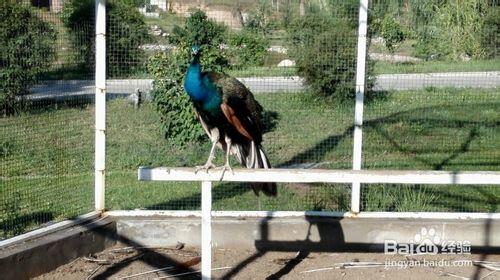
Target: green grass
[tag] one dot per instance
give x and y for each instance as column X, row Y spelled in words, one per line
column 47, row 156
column 382, row 67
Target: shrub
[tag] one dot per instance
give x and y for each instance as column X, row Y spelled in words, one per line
column 259, row 19
column 168, row 70
column 449, row 29
column 286, row 14
column 136, row 3
column 247, row 49
column 325, row 53
column 176, row 111
column 460, row 24
column 125, row 28
column 490, row 39
column 428, row 45
column 392, row 32
column 423, row 12
column 302, row 31
column 27, row 49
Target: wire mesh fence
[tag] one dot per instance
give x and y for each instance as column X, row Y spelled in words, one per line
column 432, row 102
column 46, row 139
column 429, row 198
column 437, row 65
column 298, row 58
column 250, row 42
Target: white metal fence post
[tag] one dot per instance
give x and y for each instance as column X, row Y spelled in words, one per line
column 100, row 103
column 358, row 112
column 206, row 230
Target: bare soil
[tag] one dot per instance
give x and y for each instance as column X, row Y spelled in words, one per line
column 183, row 263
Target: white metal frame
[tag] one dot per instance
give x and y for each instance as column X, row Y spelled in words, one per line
column 100, row 104
column 285, row 214
column 283, row 175
column 354, row 177
column 358, row 109
column 305, row 176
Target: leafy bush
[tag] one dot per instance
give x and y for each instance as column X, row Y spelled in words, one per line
column 449, row 29
column 389, row 29
column 27, row 49
column 461, row 25
column 286, row 14
column 325, row 53
column 303, row 30
column 259, row 19
column 125, row 28
column 423, row 12
column 136, row 3
column 172, row 102
column 346, row 10
column 247, row 48
column 428, row 45
column 490, row 39
column 176, row 111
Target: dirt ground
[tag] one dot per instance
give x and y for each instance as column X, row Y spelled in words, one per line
column 184, row 263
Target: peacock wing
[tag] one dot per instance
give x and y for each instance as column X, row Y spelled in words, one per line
column 207, row 126
column 203, row 123
column 239, row 106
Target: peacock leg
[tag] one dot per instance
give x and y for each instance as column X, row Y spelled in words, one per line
column 227, row 166
column 214, row 137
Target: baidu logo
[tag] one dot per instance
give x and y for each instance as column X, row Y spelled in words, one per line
column 426, row 242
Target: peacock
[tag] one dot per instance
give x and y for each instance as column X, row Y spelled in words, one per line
column 231, row 117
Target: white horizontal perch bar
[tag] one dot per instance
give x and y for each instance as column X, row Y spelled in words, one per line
column 323, row 176
column 288, row 214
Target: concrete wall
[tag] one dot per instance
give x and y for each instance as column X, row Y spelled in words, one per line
column 314, row 234
column 25, row 260
column 28, row 258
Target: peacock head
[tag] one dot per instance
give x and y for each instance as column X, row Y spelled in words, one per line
column 195, row 50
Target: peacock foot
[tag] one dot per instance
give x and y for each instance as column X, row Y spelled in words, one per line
column 225, row 167
column 206, row 167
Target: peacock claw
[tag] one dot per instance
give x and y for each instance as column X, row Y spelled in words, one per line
column 225, row 167
column 205, row 167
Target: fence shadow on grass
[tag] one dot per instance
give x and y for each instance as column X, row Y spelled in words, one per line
column 224, row 191
column 423, row 116
column 335, row 242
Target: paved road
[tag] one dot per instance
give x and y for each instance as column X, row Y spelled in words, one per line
column 418, row 81
column 75, row 89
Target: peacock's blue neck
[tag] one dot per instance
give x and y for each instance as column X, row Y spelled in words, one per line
column 200, row 88
column 193, row 82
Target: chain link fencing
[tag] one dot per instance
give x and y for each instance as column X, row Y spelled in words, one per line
column 304, row 79
column 437, row 65
column 47, row 118
column 432, row 104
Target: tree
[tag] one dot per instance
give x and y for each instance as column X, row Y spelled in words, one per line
column 449, row 29
column 125, row 28
column 168, row 69
column 26, row 50
column 324, row 49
